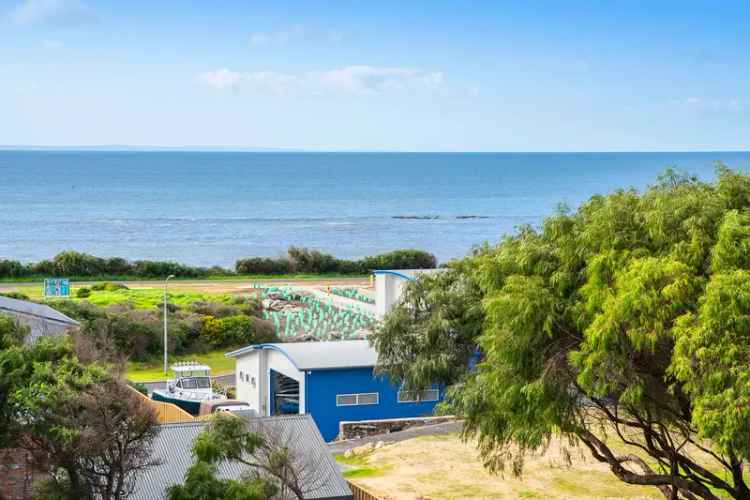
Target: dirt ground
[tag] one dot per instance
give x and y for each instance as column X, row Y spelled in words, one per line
column 442, row 467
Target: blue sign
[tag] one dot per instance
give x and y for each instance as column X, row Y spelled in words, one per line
column 57, row 287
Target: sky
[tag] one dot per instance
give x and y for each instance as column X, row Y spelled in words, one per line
column 396, row 76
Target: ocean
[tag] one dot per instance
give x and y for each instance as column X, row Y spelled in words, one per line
column 211, row 208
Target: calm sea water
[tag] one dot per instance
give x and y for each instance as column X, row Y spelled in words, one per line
column 212, row 208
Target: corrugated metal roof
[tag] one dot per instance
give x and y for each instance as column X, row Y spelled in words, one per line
column 408, row 274
column 32, row 308
column 41, row 319
column 321, row 355
column 320, row 474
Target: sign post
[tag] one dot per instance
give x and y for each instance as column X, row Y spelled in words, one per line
column 56, row 287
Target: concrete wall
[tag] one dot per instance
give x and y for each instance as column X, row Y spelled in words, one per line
column 387, row 292
column 252, row 375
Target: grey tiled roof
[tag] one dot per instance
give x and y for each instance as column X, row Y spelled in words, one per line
column 173, row 449
column 42, row 320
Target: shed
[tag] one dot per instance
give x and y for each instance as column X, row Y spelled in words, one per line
column 332, row 381
column 41, row 319
column 321, row 477
column 389, row 284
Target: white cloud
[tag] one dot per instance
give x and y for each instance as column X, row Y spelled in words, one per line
column 50, row 11
column 355, row 80
column 720, row 106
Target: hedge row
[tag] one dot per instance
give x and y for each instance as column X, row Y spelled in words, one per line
column 303, row 260
column 297, row 260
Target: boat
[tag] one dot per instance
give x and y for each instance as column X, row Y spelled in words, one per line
column 189, row 388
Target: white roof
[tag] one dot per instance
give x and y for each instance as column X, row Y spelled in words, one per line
column 321, row 355
column 407, row 273
column 190, row 367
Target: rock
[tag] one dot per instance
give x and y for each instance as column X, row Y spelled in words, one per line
column 379, row 445
column 349, row 453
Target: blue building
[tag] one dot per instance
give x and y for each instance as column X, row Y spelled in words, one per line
column 331, row 381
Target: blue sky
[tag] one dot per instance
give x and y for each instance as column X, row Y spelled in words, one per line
column 404, row 76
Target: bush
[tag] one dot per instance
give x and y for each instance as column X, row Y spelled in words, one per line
column 235, row 331
column 109, row 287
column 263, row 265
column 84, row 292
column 400, row 259
column 304, row 260
column 15, row 295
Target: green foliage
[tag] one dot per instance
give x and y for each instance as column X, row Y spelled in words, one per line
column 86, row 425
column 15, row 295
column 134, row 328
column 73, row 264
column 83, row 293
column 81, row 265
column 628, row 316
column 308, row 261
column 430, row 336
column 234, row 331
column 201, row 483
column 227, row 438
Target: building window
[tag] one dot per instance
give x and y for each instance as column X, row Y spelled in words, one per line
column 241, row 376
column 426, row 396
column 365, row 398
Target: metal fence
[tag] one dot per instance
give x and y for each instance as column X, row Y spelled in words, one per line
column 360, row 493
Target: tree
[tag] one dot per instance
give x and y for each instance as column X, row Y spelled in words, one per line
column 89, row 429
column 622, row 325
column 274, row 467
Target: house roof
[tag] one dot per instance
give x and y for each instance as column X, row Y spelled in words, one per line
column 172, row 447
column 408, row 274
column 321, row 355
column 41, row 319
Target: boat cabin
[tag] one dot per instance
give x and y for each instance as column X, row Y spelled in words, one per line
column 190, row 378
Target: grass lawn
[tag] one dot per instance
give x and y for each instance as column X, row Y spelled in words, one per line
column 145, row 372
column 142, row 298
column 444, row 467
column 150, row 298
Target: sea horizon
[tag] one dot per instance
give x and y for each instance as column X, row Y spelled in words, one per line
column 211, row 208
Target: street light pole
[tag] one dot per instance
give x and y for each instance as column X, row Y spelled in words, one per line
column 165, row 322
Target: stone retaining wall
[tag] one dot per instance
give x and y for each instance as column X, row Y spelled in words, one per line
column 363, row 428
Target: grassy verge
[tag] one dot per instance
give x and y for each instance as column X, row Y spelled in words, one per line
column 360, row 466
column 154, row 370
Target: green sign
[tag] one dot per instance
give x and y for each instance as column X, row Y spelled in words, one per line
column 57, row 287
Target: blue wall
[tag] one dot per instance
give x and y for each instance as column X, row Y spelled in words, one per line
column 322, row 386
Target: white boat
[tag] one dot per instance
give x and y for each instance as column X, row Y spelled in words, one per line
column 191, row 386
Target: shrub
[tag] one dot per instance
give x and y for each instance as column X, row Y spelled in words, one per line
column 304, row 260
column 263, row 265
column 82, row 293
column 15, row 295
column 108, row 286
column 400, row 259
column 236, row 330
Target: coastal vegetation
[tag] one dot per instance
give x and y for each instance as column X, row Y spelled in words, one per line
column 621, row 326
column 74, row 413
column 198, row 323
column 297, row 261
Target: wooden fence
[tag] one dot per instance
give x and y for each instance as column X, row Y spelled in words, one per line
column 167, row 413
column 360, row 493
